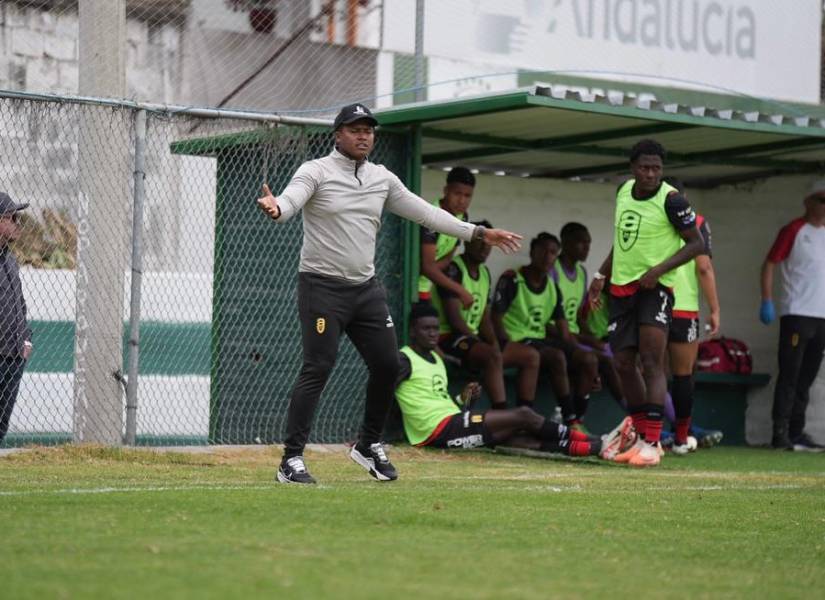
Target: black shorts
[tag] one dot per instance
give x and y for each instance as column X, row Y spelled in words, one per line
column 683, row 330
column 464, row 430
column 645, row 307
column 567, row 348
column 458, row 346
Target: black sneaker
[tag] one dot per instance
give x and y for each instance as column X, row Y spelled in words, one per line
column 803, row 443
column 293, row 470
column 374, row 460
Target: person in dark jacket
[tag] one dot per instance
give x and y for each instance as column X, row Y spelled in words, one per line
column 15, row 334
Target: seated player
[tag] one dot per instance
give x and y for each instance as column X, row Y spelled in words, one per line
column 571, row 277
column 437, row 249
column 467, row 334
column 527, row 304
column 431, row 418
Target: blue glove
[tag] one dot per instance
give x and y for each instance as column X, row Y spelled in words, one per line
column 766, row 312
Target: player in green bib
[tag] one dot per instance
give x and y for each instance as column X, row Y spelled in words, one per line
column 571, row 277
column 432, row 418
column 652, row 220
column 438, row 249
column 569, row 272
column 527, row 307
column 467, row 334
column 683, row 339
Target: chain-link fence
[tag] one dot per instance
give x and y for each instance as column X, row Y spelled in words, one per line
column 184, row 250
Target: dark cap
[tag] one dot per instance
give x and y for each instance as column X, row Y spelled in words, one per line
column 461, row 175
column 354, row 112
column 9, row 206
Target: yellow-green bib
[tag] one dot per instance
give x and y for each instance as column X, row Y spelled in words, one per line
column 423, row 397
column 478, row 288
column 529, row 313
column 572, row 293
column 644, row 236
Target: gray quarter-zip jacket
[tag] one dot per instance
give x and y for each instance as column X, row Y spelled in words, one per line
column 342, row 202
column 14, row 330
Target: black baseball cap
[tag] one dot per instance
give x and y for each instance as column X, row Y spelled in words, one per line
column 9, row 206
column 354, row 112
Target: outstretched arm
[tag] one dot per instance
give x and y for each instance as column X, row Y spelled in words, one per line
column 405, row 204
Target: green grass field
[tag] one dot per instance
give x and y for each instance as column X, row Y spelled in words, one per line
column 83, row 522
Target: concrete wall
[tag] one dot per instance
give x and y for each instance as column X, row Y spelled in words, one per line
column 744, row 220
column 38, row 53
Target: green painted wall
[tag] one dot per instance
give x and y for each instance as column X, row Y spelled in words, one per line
column 165, row 348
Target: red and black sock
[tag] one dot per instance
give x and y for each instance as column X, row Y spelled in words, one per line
column 578, row 436
column 682, row 393
column 575, row 448
column 682, row 432
column 653, row 423
column 638, row 414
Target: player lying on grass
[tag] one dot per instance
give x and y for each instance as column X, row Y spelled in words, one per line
column 432, row 418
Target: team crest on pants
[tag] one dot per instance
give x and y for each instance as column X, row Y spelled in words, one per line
column 320, row 325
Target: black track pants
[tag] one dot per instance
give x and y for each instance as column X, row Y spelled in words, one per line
column 801, row 344
column 327, row 308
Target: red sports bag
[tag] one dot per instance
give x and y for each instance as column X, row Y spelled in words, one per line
column 725, row 355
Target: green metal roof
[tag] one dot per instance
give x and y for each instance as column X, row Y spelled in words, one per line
column 550, row 131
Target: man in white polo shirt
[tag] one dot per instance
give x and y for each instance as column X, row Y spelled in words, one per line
column 799, row 250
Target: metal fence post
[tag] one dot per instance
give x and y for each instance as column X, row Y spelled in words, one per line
column 420, row 92
column 137, row 278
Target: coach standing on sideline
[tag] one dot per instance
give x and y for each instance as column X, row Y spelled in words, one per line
column 342, row 196
column 15, row 334
column 799, row 250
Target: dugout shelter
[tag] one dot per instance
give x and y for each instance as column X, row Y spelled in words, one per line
column 745, row 163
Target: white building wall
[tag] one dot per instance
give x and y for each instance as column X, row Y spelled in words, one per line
column 744, row 221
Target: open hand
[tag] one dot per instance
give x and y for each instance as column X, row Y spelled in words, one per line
column 269, row 204
column 507, row 241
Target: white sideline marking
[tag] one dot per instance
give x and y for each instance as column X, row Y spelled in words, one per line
column 529, row 488
column 118, row 490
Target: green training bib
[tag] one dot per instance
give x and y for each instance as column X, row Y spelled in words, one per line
column 644, row 236
column 529, row 313
column 572, row 292
column 478, row 288
column 423, row 397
